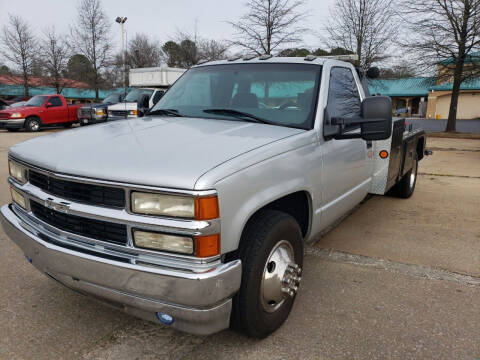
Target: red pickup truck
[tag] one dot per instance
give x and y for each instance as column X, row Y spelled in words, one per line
column 40, row 111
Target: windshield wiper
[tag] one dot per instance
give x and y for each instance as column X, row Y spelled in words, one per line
column 171, row 112
column 239, row 115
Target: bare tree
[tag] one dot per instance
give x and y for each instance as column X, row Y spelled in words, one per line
column 55, row 55
column 364, row 27
column 400, row 71
column 212, row 49
column 143, row 52
column 91, row 38
column 445, row 35
column 19, row 47
column 187, row 49
column 269, row 25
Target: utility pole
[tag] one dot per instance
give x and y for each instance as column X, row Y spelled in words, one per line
column 121, row 21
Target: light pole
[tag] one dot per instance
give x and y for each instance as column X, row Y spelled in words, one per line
column 121, row 21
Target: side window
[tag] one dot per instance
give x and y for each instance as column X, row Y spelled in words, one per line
column 158, row 95
column 55, row 101
column 343, row 96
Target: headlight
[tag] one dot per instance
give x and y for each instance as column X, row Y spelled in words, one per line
column 18, row 198
column 163, row 242
column 17, row 171
column 132, row 112
column 198, row 208
column 15, row 115
column 163, row 205
column 99, row 112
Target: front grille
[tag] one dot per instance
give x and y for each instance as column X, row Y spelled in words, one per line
column 95, row 229
column 86, row 111
column 119, row 112
column 76, row 191
column 3, row 116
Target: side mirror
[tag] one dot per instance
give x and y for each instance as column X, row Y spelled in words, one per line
column 49, row 105
column 377, row 113
column 143, row 104
column 143, row 101
column 375, row 121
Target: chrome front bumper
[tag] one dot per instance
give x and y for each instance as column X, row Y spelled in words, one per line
column 14, row 123
column 199, row 303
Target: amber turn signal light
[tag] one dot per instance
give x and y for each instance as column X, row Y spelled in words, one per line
column 206, row 246
column 383, row 154
column 206, row 208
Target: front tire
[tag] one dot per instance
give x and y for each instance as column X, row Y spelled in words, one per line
column 271, row 250
column 32, row 124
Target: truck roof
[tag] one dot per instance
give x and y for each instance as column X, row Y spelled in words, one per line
column 310, row 59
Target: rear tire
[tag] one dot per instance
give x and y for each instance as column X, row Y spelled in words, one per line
column 32, row 124
column 67, row 125
column 406, row 186
column 271, row 250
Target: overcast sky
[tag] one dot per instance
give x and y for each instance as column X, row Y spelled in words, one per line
column 159, row 18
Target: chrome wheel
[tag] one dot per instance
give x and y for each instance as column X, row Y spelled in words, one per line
column 413, row 174
column 33, row 125
column 281, row 277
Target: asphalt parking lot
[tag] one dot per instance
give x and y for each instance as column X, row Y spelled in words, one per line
column 396, row 279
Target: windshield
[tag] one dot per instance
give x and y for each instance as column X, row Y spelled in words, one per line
column 282, row 94
column 18, row 104
column 112, row 99
column 134, row 95
column 38, row 100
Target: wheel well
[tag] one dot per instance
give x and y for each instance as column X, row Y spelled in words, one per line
column 33, row 117
column 420, row 148
column 296, row 205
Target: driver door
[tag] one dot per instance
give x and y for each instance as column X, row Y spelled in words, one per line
column 55, row 112
column 345, row 177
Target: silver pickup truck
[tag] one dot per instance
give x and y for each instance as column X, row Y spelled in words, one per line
column 195, row 216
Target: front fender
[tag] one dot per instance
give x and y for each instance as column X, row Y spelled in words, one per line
column 245, row 192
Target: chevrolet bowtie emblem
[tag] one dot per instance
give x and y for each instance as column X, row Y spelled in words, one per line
column 61, row 206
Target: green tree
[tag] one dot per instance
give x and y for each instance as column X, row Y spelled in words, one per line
column 295, row 52
column 79, row 68
column 320, row 52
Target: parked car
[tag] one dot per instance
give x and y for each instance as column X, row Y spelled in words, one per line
column 196, row 215
column 38, row 112
column 96, row 113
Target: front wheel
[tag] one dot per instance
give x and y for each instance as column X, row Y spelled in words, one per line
column 271, row 251
column 32, row 124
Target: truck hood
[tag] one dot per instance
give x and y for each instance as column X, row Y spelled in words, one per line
column 18, row 109
column 123, row 106
column 158, row 151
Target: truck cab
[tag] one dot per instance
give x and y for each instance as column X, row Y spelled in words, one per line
column 136, row 103
column 195, row 216
column 149, row 86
